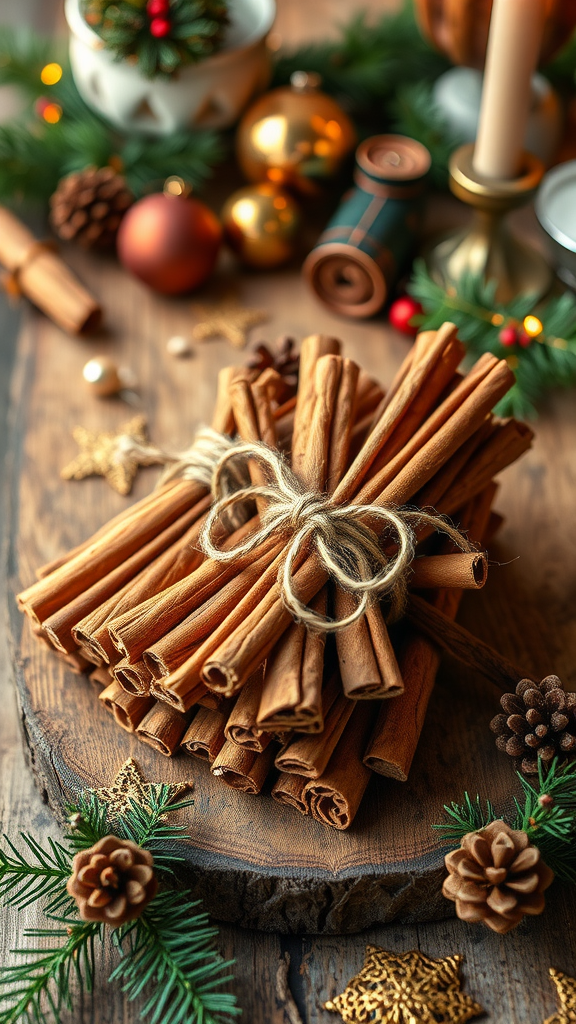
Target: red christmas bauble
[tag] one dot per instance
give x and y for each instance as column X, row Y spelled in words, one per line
column 160, row 27
column 157, row 8
column 169, row 242
column 508, row 336
column 401, row 312
column 524, row 339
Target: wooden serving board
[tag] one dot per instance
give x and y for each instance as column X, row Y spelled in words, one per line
column 253, row 862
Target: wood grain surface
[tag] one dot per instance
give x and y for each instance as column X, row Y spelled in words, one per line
column 527, row 609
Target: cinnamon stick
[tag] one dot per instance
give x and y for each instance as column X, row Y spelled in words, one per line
column 335, row 796
column 289, row 790
column 308, row 756
column 241, row 768
column 311, row 350
column 464, row 571
column 134, row 678
column 163, row 728
column 241, row 726
column 367, row 660
column 204, row 736
column 128, row 709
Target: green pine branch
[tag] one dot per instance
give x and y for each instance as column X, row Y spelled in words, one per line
column 41, row 983
column 25, row 880
column 549, row 361
column 460, row 819
column 551, row 827
column 168, row 955
column 147, row 826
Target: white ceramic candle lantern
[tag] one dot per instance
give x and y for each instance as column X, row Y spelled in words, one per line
column 210, row 94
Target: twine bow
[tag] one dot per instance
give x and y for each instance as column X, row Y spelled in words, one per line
column 198, row 462
column 351, row 552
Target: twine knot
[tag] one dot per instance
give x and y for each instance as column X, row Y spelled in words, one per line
column 351, row 552
column 198, row 462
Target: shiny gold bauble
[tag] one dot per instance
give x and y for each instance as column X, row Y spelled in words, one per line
column 102, row 377
column 460, row 30
column 260, row 224
column 295, row 136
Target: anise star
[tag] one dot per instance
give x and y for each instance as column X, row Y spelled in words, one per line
column 227, row 319
column 103, row 455
column 130, row 785
column 566, row 991
column 405, row 988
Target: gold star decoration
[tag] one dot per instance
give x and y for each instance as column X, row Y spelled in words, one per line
column 103, row 455
column 227, row 319
column 405, row 988
column 129, row 785
column 566, row 992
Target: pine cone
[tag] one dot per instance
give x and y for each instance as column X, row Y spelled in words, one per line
column 539, row 723
column 284, row 360
column 496, row 877
column 113, row 881
column 88, row 206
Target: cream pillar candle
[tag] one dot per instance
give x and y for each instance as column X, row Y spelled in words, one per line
column 514, row 43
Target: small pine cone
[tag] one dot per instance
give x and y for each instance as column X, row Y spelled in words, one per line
column 88, row 206
column 539, row 723
column 113, row 881
column 496, row 876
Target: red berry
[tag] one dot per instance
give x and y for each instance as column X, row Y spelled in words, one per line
column 157, row 8
column 524, row 339
column 508, row 336
column 160, row 27
column 401, row 312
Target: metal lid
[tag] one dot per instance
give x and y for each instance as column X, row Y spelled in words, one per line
column 393, row 158
column 556, row 204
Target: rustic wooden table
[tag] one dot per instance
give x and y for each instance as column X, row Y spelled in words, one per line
column 507, row 975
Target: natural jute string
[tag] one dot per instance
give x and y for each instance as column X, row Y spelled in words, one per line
column 198, row 462
column 350, row 552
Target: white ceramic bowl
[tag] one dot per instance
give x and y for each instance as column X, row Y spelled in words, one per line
column 210, row 94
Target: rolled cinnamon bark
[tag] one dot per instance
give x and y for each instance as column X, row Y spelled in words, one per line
column 37, row 272
column 241, row 727
column 175, row 538
column 204, row 736
column 289, row 790
column 393, row 743
column 101, row 676
column 464, row 571
column 163, row 728
column 308, row 755
column 241, row 768
column 311, row 350
column 335, row 796
column 367, row 660
column 128, row 709
column 134, row 678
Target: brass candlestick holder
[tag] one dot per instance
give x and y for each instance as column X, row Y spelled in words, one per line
column 487, row 247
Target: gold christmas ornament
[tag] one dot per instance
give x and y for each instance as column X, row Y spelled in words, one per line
column 108, row 455
column 260, row 225
column 227, row 319
column 566, row 992
column 405, row 988
column 295, row 136
column 104, row 378
column 130, row 786
column 179, row 346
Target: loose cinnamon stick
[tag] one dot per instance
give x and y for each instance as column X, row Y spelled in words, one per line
column 241, row 768
column 367, row 660
column 463, row 571
column 204, row 736
column 461, row 644
column 241, row 726
column 42, row 276
column 289, row 790
column 335, row 796
column 308, row 755
column 163, row 728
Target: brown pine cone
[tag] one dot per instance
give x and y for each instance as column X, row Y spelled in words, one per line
column 496, row 877
column 113, row 881
column 283, row 358
column 88, row 206
column 539, row 723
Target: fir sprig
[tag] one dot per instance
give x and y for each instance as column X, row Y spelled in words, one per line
column 547, row 361
column 547, row 815
column 167, row 956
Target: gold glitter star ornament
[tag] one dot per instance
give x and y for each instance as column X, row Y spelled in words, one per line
column 108, row 455
column 566, row 991
column 130, row 785
column 227, row 319
column 405, row 988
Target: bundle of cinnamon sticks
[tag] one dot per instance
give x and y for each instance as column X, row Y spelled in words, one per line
column 202, row 656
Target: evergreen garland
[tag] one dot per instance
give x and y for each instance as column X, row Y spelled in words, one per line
column 540, row 362
column 35, row 154
column 547, row 815
column 193, row 30
column 166, row 956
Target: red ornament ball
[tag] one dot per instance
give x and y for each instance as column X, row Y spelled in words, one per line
column 157, row 8
column 401, row 312
column 524, row 339
column 508, row 336
column 160, row 27
column 169, row 242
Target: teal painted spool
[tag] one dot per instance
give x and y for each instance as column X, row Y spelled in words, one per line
column 370, row 239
